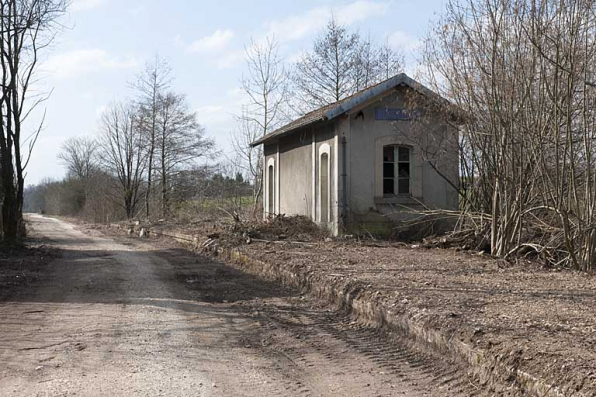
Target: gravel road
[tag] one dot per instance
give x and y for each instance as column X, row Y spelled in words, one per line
column 129, row 317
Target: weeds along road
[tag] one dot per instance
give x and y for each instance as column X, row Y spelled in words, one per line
column 144, row 318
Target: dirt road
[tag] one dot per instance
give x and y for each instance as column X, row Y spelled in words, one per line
column 141, row 318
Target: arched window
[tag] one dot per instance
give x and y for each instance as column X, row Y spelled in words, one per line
column 270, row 192
column 396, row 170
column 324, row 186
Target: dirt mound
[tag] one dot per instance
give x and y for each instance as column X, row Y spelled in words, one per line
column 292, row 228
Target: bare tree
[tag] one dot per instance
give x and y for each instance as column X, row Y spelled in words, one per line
column 152, row 84
column 79, row 155
column 266, row 86
column 26, row 28
column 366, row 68
column 390, row 62
column 326, row 75
column 342, row 63
column 523, row 75
column 123, row 153
column 180, row 143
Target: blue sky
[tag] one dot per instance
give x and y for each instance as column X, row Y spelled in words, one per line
column 107, row 42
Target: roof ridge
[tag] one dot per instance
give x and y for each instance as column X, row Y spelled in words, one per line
column 333, row 110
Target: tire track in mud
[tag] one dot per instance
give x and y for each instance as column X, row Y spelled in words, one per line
column 291, row 368
column 308, row 350
column 324, row 340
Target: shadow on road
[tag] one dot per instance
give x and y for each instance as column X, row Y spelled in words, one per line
column 153, row 277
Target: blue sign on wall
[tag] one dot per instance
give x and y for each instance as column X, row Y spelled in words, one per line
column 395, row 114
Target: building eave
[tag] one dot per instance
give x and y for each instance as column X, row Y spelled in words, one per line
column 356, row 100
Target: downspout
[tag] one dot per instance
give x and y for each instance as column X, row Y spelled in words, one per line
column 344, row 185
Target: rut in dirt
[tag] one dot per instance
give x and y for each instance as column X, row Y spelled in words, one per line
column 121, row 316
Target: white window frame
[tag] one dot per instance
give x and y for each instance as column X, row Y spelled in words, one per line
column 325, row 148
column 270, row 163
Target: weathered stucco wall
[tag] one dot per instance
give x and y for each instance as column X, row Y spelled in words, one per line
column 296, row 159
column 295, row 156
column 325, row 142
column 366, row 137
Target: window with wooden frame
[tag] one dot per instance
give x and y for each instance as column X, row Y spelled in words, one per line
column 396, row 170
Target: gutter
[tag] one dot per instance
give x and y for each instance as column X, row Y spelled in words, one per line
column 275, row 135
column 344, row 179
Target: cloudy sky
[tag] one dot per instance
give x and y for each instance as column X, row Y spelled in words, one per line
column 106, row 43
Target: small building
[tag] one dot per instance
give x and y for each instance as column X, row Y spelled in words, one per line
column 364, row 163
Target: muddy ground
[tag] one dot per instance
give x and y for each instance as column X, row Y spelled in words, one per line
column 536, row 319
column 121, row 316
column 542, row 321
column 22, row 266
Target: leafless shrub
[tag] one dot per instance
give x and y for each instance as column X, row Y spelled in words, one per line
column 523, row 75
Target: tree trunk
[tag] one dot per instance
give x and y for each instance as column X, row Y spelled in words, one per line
column 10, row 214
column 149, row 172
column 10, row 218
column 164, row 190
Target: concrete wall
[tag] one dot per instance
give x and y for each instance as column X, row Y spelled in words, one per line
column 365, row 139
column 296, row 159
column 295, row 156
column 325, row 141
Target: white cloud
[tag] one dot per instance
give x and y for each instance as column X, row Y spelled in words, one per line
column 361, row 10
column 221, row 114
column 100, row 110
column 231, row 59
column 214, row 42
column 78, row 62
column 219, row 118
column 209, row 109
column 211, row 114
column 84, row 5
column 299, row 26
column 135, row 12
column 400, row 39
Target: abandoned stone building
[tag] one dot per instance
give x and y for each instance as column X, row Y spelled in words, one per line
column 365, row 162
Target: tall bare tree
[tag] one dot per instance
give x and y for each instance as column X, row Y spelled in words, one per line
column 367, row 67
column 266, row 87
column 79, row 155
column 326, row 74
column 152, row 83
column 340, row 64
column 180, row 144
column 26, row 28
column 123, row 152
column 391, row 61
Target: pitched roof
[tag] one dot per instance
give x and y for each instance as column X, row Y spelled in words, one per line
column 329, row 112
